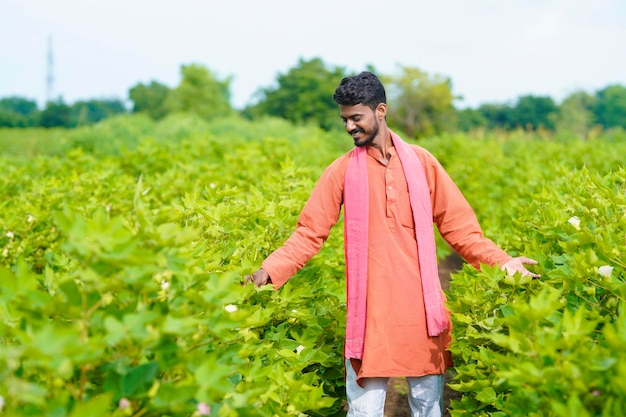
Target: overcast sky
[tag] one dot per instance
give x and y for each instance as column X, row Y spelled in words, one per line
column 492, row 50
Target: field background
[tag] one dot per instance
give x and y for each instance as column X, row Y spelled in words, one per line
column 123, row 245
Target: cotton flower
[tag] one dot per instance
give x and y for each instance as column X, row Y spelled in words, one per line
column 10, row 234
column 231, row 308
column 124, row 403
column 165, row 285
column 299, row 349
column 574, row 221
column 605, row 271
column 204, row 409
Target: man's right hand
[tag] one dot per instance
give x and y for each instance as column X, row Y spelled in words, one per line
column 259, row 278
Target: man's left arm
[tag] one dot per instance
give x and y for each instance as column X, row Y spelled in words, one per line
column 458, row 225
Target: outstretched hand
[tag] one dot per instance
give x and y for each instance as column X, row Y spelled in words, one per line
column 515, row 265
column 259, row 278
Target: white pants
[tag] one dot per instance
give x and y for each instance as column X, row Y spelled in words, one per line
column 425, row 395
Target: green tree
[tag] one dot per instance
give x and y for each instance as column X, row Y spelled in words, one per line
column 420, row 103
column 18, row 112
column 303, row 95
column 92, row 111
column 56, row 114
column 469, row 119
column 610, row 109
column 200, row 92
column 532, row 112
column 498, row 115
column 150, row 99
column 576, row 114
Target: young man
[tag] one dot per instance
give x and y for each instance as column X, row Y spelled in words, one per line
column 392, row 193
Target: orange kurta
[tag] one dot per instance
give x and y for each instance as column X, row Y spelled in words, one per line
column 396, row 339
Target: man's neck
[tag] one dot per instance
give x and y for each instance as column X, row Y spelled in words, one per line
column 383, row 142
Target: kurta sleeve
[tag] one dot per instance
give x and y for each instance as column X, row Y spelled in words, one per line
column 455, row 219
column 319, row 215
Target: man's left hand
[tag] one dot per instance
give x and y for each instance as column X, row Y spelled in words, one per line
column 515, row 265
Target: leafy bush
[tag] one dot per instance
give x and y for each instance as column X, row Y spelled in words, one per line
column 121, row 286
column 123, row 245
column 552, row 346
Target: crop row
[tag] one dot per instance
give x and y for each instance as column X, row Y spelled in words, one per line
column 123, row 246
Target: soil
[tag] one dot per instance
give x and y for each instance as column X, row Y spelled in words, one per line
column 396, row 404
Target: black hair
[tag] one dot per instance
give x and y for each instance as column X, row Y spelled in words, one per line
column 364, row 88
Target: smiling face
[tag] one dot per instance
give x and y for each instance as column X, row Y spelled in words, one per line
column 362, row 122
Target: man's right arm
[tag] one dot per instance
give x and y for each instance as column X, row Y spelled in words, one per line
column 319, row 215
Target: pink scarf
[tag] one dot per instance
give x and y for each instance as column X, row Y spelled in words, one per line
column 356, row 221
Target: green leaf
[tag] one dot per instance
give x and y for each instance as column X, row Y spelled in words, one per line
column 99, row 406
column 138, row 380
column 486, row 395
column 115, row 330
column 141, row 212
column 72, row 293
column 180, row 326
column 212, row 376
column 8, row 285
column 175, row 396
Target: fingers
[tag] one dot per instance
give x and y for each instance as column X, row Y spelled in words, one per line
column 526, row 260
column 527, row 273
column 251, row 279
column 258, row 278
column 516, row 265
column 247, row 279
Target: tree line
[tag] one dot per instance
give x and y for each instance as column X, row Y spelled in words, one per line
column 423, row 103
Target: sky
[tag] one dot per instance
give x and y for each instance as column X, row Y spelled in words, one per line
column 493, row 51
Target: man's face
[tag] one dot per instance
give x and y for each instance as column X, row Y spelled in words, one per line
column 360, row 122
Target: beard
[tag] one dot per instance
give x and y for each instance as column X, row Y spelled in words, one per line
column 368, row 139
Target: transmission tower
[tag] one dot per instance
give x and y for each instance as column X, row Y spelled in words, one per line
column 50, row 73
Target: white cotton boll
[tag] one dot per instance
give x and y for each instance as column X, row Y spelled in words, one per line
column 165, row 285
column 574, row 221
column 1, row 402
column 204, row 409
column 299, row 349
column 123, row 403
column 10, row 234
column 605, row 271
column 231, row 308
column 30, row 219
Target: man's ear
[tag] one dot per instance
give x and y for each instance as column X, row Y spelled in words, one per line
column 381, row 110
